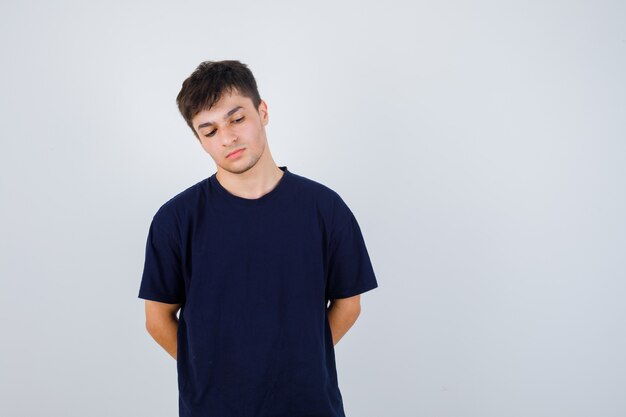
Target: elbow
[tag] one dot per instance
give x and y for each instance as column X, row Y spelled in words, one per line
column 154, row 327
column 158, row 324
column 151, row 327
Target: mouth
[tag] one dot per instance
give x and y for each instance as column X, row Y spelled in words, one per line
column 235, row 153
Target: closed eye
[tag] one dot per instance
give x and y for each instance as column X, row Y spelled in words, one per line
column 212, row 133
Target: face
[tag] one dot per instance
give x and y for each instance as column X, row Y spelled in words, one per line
column 233, row 124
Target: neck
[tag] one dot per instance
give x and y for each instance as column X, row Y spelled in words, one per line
column 253, row 183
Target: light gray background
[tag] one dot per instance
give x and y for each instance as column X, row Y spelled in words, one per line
column 481, row 146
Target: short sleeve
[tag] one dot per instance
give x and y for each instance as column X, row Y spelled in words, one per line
column 162, row 277
column 350, row 270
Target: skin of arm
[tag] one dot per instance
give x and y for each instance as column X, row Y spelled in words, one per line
column 342, row 314
column 162, row 324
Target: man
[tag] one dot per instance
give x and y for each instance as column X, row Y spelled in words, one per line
column 252, row 256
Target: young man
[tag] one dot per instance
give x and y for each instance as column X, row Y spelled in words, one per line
column 251, row 256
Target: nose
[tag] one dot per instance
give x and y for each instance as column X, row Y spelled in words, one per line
column 229, row 138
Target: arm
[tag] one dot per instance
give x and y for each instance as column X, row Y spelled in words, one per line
column 162, row 324
column 342, row 314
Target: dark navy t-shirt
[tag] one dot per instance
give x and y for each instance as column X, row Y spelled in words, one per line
column 254, row 277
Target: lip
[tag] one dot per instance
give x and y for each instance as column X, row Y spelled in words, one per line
column 235, row 153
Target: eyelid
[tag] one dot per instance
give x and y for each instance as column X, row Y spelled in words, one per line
column 238, row 120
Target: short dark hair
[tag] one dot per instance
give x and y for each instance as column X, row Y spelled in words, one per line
column 209, row 81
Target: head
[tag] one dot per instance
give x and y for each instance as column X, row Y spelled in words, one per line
column 221, row 104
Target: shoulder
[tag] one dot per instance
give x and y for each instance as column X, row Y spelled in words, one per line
column 327, row 200
column 316, row 189
column 177, row 207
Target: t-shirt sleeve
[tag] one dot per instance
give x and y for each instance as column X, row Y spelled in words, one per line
column 350, row 270
column 162, row 278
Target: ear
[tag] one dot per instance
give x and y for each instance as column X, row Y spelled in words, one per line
column 262, row 110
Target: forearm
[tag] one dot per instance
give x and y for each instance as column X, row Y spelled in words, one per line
column 165, row 334
column 341, row 320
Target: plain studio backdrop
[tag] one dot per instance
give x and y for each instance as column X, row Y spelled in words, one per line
column 481, row 146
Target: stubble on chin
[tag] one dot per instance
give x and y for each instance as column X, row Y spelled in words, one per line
column 241, row 169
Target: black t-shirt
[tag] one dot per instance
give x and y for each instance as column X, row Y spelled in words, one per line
column 254, row 277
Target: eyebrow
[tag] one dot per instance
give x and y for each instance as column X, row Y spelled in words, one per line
column 210, row 123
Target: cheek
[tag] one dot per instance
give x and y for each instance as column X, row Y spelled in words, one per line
column 252, row 127
column 209, row 149
column 246, row 131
